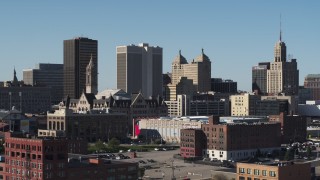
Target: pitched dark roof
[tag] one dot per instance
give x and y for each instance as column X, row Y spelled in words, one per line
column 90, row 97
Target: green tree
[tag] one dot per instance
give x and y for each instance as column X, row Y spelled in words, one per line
column 309, row 151
column 220, row 177
column 99, row 146
column 289, row 155
column 113, row 143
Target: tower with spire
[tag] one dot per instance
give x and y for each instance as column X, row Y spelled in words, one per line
column 15, row 81
column 283, row 75
column 280, row 49
column 91, row 82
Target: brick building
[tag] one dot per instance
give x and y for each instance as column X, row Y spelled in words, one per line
column 192, row 142
column 293, row 127
column 273, row 171
column 33, row 158
column 47, row 158
column 102, row 169
column 234, row 141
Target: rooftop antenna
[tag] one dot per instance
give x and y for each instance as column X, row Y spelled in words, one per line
column 280, row 29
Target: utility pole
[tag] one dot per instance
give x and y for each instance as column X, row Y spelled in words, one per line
column 172, row 167
column 20, row 94
column 10, row 100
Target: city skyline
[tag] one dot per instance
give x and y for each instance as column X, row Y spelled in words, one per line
column 229, row 32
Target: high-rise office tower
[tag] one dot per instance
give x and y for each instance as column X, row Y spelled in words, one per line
column 223, row 86
column 77, row 54
column 198, row 70
column 178, row 68
column 259, row 77
column 312, row 82
column 283, row 75
column 139, row 68
column 49, row 75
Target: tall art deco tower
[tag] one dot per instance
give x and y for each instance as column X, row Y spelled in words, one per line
column 283, row 75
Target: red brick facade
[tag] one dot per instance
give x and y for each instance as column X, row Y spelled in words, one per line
column 192, row 142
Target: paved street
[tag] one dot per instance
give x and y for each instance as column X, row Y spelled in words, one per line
column 162, row 167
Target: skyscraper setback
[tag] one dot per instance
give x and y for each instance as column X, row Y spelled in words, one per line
column 139, row 69
column 77, row 54
column 279, row 76
column 283, row 75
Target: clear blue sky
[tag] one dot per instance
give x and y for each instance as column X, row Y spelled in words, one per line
column 234, row 34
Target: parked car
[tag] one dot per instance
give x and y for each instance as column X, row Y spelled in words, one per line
column 118, row 158
column 151, row 160
column 142, row 162
column 156, row 149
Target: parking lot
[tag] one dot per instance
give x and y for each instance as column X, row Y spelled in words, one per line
column 162, row 165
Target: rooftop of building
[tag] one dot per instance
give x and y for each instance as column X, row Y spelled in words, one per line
column 22, row 135
column 202, row 57
column 313, row 76
column 180, row 59
column 139, row 45
column 76, row 161
column 271, row 162
column 243, row 119
column 202, row 119
column 116, row 93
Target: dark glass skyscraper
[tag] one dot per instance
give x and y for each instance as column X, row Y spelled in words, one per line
column 259, row 77
column 49, row 75
column 77, row 53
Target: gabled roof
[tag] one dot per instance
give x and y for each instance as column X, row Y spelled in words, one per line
column 113, row 92
column 90, row 97
column 135, row 97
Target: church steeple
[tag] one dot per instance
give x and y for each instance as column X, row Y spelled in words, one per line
column 90, row 86
column 15, row 79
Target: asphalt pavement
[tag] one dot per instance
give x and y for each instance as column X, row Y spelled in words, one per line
column 162, row 165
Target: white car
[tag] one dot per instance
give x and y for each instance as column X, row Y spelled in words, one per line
column 118, row 157
column 156, row 149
